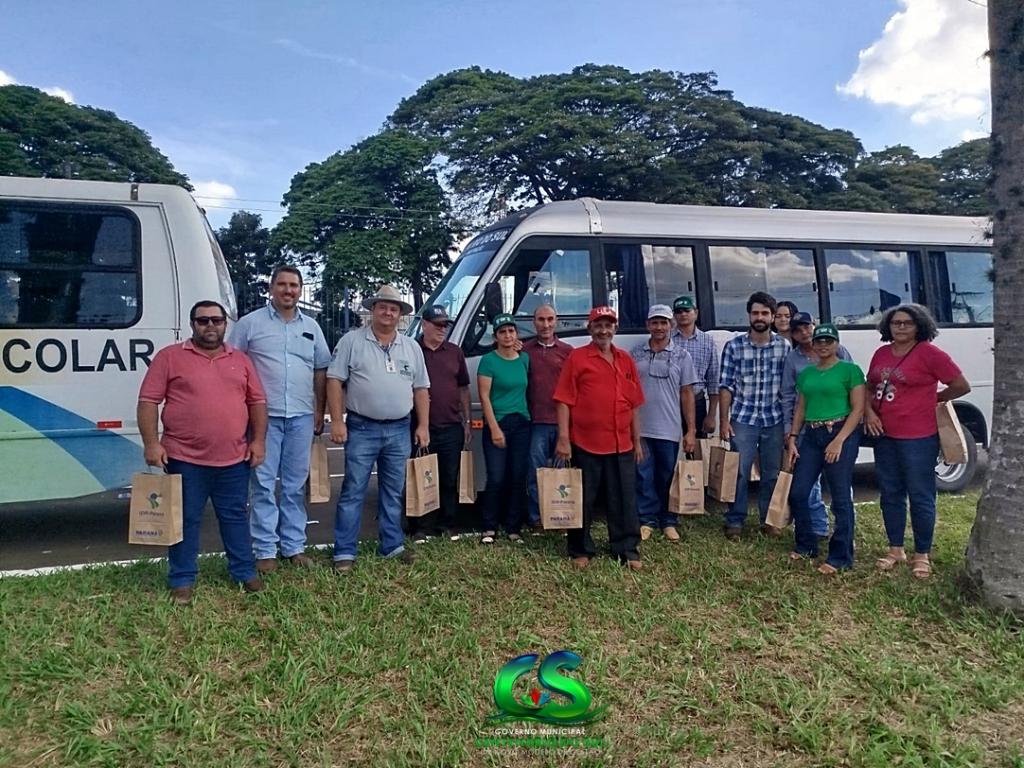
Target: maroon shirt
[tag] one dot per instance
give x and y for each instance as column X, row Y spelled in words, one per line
column 545, row 366
column 446, row 367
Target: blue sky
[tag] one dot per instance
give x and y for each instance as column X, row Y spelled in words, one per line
column 242, row 95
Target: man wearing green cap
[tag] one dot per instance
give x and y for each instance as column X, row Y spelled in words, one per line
column 702, row 350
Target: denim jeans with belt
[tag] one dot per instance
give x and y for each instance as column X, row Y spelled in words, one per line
column 906, row 468
column 766, row 444
column 289, row 442
column 228, row 489
column 447, row 443
column 505, row 500
column 808, row 469
column 387, row 443
column 653, row 478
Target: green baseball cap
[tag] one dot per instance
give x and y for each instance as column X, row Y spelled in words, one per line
column 684, row 302
column 502, row 320
column 826, row 331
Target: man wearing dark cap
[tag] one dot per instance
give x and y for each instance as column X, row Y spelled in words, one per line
column 598, row 394
column 449, row 420
column 702, row 351
column 801, row 327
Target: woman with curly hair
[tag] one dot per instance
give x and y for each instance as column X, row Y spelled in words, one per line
column 902, row 384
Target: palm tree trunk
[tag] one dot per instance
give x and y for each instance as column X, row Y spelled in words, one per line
column 995, row 551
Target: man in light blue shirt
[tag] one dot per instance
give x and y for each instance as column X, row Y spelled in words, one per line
column 291, row 357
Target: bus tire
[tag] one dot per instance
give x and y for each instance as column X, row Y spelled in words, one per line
column 951, row 478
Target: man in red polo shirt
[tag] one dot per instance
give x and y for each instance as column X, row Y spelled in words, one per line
column 598, row 394
column 215, row 425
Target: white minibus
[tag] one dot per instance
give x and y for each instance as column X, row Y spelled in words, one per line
column 95, row 277
column 840, row 266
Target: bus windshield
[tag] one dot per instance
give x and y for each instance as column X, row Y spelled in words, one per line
column 461, row 279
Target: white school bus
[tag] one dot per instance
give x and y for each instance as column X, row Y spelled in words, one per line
column 95, row 277
column 840, row 266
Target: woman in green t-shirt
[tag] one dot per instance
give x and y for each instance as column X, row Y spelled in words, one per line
column 829, row 407
column 501, row 381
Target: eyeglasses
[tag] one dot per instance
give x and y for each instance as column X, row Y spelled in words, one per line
column 204, row 321
column 902, row 323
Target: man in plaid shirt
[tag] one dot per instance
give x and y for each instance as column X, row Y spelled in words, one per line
column 701, row 347
column 751, row 407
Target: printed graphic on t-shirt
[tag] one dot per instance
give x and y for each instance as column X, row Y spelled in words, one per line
column 885, row 390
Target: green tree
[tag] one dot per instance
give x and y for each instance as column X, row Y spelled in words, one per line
column 894, row 179
column 964, row 176
column 246, row 246
column 996, row 545
column 606, row 132
column 375, row 213
column 41, row 135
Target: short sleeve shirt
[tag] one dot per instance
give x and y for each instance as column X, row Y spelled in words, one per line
column 826, row 392
column 446, row 367
column 285, row 354
column 545, row 365
column 601, row 397
column 508, row 383
column 905, row 392
column 379, row 381
column 662, row 375
column 206, row 402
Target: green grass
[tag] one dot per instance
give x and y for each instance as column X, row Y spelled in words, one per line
column 717, row 654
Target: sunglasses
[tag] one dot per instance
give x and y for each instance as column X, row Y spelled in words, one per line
column 204, row 321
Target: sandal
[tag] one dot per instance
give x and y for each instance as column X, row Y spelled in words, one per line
column 827, row 570
column 921, row 567
column 890, row 561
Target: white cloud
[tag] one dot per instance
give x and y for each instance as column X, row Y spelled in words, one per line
column 971, row 134
column 213, row 193
column 929, row 60
column 60, row 93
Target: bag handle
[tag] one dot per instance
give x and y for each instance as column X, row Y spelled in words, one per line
column 559, row 463
column 421, row 452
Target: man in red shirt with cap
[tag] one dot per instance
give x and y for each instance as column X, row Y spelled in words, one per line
column 598, row 394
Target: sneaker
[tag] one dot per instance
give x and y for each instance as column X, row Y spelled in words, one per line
column 515, row 538
column 343, row 566
column 670, row 533
column 301, row 560
column 266, row 565
column 732, row 533
column 771, row 531
column 487, row 538
column 645, row 532
column 255, row 584
column 453, row 536
column 420, row 540
column 408, row 557
column 181, row 595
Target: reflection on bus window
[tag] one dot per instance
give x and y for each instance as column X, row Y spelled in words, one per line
column 639, row 275
column 739, row 270
column 863, row 283
column 964, row 280
column 68, row 268
column 556, row 276
column 461, row 279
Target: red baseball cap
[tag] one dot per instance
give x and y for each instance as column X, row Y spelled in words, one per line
column 597, row 313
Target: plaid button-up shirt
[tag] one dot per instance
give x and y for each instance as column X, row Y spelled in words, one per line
column 705, row 359
column 753, row 375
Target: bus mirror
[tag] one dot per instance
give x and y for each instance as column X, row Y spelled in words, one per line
column 493, row 304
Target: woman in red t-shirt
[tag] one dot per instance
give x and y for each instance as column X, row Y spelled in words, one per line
column 902, row 391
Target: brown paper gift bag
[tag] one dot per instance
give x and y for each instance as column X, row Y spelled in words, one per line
column 724, row 473
column 778, row 508
column 703, row 452
column 467, row 478
column 560, row 494
column 952, row 440
column 422, row 493
column 686, row 494
column 155, row 511
column 318, row 484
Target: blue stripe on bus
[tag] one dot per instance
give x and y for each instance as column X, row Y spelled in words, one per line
column 109, row 457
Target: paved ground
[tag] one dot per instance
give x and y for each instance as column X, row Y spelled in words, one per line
column 95, row 529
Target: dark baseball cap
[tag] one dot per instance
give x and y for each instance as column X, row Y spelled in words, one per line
column 684, row 302
column 502, row 320
column 436, row 314
column 826, row 331
column 801, row 318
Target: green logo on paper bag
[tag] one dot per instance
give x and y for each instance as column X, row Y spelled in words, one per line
column 428, row 476
column 154, row 500
column 691, row 480
column 563, row 491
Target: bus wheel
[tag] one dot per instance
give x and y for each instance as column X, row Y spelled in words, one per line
column 955, row 477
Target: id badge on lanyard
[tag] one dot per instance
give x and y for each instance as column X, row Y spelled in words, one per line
column 389, row 366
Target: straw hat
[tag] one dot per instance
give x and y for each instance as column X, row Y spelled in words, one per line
column 387, row 293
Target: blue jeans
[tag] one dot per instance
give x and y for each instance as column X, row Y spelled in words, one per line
column 542, row 450
column 807, row 472
column 506, row 474
column 653, row 478
column 388, row 444
column 819, row 513
column 228, row 489
column 766, row 444
column 906, row 468
column 289, row 441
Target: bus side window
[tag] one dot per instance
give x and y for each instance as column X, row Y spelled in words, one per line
column 739, row 270
column 639, row 275
column 68, row 267
column 863, row 283
column 964, row 282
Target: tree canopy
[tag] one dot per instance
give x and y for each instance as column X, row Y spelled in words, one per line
column 375, row 213
column 42, row 135
column 246, row 246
